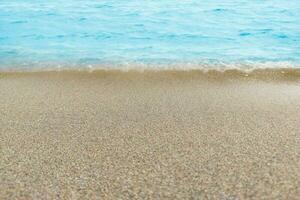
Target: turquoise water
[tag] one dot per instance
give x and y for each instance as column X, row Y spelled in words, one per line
column 38, row 33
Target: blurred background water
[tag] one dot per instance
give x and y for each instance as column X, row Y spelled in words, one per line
column 37, row 33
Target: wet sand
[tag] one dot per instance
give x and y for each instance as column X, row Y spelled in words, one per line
column 155, row 135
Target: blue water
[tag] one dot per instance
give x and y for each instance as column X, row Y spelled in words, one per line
column 38, row 33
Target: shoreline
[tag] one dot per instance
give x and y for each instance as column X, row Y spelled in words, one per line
column 133, row 135
column 264, row 74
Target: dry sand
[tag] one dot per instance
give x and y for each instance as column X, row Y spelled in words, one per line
column 151, row 135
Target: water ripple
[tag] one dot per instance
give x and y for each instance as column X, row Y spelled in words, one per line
column 36, row 31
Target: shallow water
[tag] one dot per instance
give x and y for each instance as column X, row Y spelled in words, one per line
column 36, row 33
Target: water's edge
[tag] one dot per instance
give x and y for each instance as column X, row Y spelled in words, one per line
column 268, row 74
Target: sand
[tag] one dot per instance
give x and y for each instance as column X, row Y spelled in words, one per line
column 151, row 135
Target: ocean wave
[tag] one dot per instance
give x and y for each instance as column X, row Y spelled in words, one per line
column 186, row 30
column 93, row 65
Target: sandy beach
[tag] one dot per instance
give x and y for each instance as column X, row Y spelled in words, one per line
column 149, row 135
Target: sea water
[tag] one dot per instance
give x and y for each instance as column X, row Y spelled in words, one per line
column 89, row 33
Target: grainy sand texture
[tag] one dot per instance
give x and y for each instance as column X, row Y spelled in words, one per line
column 149, row 135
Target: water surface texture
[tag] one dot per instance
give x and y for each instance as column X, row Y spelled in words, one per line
column 37, row 33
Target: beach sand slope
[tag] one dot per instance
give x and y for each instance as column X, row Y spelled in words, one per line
column 151, row 135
